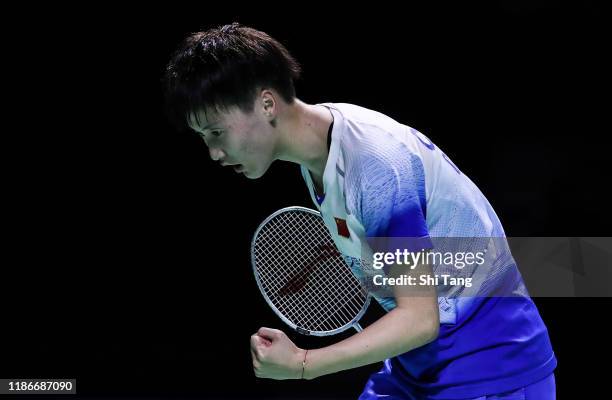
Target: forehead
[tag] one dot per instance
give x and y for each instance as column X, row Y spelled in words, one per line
column 209, row 117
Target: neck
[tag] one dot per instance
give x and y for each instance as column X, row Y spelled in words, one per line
column 303, row 135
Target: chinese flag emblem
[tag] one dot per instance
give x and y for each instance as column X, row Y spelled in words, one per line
column 342, row 228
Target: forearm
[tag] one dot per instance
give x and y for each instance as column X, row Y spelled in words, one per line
column 399, row 331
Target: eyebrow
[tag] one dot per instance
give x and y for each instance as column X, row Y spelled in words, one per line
column 196, row 123
column 210, row 125
column 205, row 127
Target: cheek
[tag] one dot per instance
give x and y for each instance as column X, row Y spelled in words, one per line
column 258, row 145
column 255, row 153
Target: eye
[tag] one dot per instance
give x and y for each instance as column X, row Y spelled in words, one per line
column 216, row 133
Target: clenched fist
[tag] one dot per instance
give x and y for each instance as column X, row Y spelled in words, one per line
column 275, row 356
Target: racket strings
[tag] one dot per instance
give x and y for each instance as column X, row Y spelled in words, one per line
column 302, row 274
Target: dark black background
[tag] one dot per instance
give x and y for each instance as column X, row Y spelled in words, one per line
column 127, row 255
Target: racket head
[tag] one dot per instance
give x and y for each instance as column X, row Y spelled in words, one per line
column 297, row 268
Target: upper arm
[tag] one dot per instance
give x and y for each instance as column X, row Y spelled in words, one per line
column 420, row 301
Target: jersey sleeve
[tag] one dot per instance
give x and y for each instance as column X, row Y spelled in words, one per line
column 391, row 199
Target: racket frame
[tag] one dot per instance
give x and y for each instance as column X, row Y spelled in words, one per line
column 354, row 323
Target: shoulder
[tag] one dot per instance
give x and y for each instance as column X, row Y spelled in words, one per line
column 372, row 141
column 364, row 118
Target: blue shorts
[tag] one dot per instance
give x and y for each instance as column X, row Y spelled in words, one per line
column 385, row 385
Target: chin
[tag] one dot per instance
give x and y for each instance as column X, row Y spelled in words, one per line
column 255, row 174
column 252, row 175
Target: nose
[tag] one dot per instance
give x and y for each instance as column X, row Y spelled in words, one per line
column 216, row 153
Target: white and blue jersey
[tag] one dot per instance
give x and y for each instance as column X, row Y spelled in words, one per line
column 385, row 179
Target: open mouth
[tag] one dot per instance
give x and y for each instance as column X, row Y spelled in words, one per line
column 238, row 168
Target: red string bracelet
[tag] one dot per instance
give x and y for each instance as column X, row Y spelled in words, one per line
column 304, row 363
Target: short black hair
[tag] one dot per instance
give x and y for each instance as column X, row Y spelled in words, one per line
column 224, row 67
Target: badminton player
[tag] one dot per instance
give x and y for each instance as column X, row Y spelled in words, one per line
column 369, row 176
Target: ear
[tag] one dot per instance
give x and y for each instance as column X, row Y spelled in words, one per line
column 269, row 105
